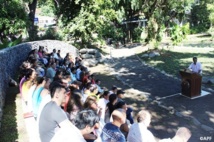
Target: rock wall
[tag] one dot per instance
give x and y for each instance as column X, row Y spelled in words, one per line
column 11, row 58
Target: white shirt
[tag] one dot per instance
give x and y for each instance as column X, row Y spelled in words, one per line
column 55, row 56
column 139, row 133
column 68, row 133
column 102, row 104
column 195, row 67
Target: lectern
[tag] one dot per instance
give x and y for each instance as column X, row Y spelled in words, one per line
column 191, row 84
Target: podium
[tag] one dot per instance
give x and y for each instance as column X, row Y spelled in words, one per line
column 191, row 84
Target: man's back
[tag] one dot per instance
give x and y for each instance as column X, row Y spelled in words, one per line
column 139, row 133
column 112, row 133
column 50, row 118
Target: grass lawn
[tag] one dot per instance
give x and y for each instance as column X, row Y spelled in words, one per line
column 171, row 60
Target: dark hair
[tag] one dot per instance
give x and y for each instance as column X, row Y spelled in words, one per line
column 119, row 104
column 97, row 80
column 54, row 86
column 39, row 80
column 120, row 92
column 75, row 99
column 113, row 88
column 40, row 47
column 86, row 117
column 110, row 104
column 28, row 73
column 73, row 69
column 194, row 58
column 105, row 93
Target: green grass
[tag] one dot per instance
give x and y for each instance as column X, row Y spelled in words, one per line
column 171, row 61
column 13, row 125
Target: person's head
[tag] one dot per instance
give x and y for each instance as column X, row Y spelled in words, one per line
column 70, row 64
column 114, row 89
column 91, row 103
column 53, row 65
column 122, row 105
column 41, row 48
column 113, row 99
column 59, row 74
column 40, row 80
column 106, row 95
column 182, row 135
column 86, row 120
column 120, row 94
column 97, row 81
column 194, row 60
column 73, row 70
column 30, row 74
column 66, row 76
column 58, row 92
column 144, row 117
column 25, row 65
column 47, row 83
column 54, row 50
column 75, row 100
column 119, row 116
column 59, row 51
column 33, row 62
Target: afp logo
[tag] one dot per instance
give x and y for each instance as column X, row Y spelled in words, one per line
column 206, row 138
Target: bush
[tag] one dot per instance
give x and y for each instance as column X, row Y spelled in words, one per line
column 51, row 33
column 179, row 33
column 137, row 34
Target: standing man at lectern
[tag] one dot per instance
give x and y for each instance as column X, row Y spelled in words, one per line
column 195, row 66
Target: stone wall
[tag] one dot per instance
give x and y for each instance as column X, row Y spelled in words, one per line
column 11, row 58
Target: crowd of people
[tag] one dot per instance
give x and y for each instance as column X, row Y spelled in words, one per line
column 69, row 104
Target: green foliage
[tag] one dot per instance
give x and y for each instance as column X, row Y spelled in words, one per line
column 50, row 33
column 6, row 43
column 90, row 21
column 200, row 18
column 47, row 8
column 179, row 33
column 210, row 8
column 13, row 18
column 137, row 34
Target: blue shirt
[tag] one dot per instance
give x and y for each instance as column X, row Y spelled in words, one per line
column 36, row 100
column 112, row 133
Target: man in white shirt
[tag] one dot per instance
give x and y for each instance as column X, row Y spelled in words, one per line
column 183, row 134
column 195, row 66
column 138, row 132
column 102, row 104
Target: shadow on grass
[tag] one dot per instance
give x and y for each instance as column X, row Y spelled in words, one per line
column 9, row 132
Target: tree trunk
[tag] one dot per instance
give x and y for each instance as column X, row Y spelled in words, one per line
column 32, row 30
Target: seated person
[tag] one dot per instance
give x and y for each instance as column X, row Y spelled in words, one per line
column 111, row 131
column 86, row 121
column 195, row 66
column 138, row 132
column 120, row 95
column 182, row 135
column 113, row 90
column 97, row 83
column 51, row 71
column 52, row 117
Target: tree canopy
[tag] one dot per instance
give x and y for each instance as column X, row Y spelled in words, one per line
column 91, row 20
column 12, row 22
